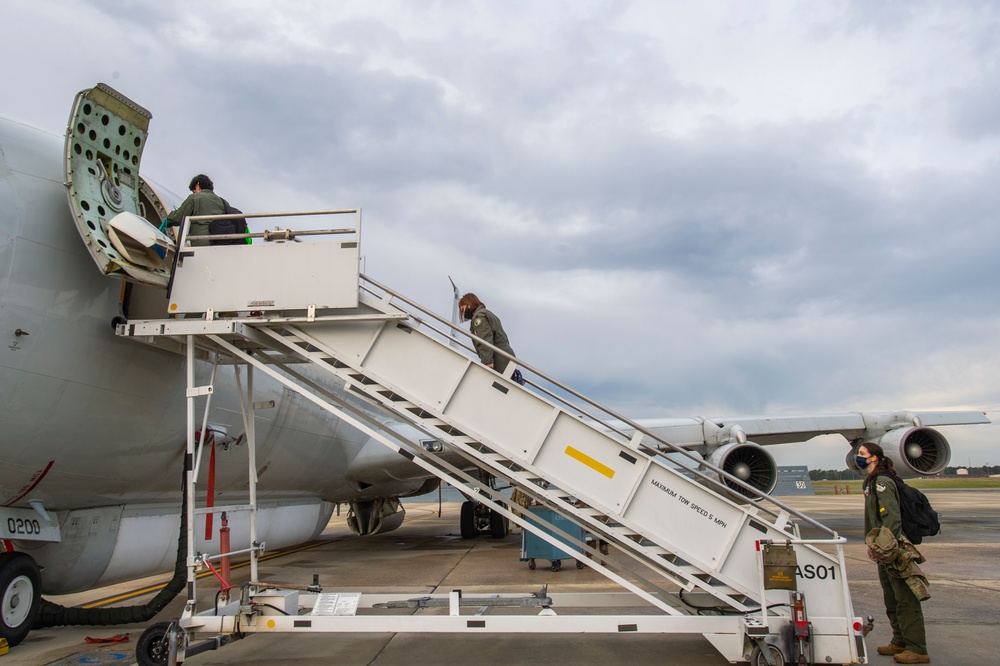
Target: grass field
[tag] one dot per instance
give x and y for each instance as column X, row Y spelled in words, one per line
column 926, row 483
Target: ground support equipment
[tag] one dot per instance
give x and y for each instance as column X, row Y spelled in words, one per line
column 685, row 536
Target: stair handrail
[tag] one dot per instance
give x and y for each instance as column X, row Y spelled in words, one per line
column 701, row 462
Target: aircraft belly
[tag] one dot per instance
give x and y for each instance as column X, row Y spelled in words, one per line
column 111, row 544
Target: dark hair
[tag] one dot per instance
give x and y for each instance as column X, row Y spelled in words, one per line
column 470, row 302
column 204, row 181
column 883, row 465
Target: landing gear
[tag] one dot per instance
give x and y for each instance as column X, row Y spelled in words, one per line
column 468, row 520
column 498, row 524
column 20, row 594
column 478, row 519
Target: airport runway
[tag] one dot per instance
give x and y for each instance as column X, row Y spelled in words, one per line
column 427, row 556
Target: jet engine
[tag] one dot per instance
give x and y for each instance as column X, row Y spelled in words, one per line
column 749, row 463
column 913, row 451
column 375, row 516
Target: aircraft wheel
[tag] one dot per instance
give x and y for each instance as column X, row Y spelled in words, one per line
column 531, row 564
column 556, row 565
column 21, row 590
column 579, row 564
column 498, row 525
column 468, row 520
column 757, row 657
column 153, row 646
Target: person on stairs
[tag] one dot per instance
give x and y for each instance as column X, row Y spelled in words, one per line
column 487, row 326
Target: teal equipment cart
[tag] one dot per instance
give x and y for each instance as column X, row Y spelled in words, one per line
column 534, row 547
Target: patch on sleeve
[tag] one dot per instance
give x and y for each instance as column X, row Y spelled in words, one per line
column 881, row 509
column 880, row 486
column 478, row 322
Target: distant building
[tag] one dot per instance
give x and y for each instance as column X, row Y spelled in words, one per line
column 961, row 471
column 793, row 480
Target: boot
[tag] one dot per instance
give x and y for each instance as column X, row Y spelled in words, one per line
column 890, row 649
column 909, row 657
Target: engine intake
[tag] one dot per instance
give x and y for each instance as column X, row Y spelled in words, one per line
column 749, row 463
column 913, row 451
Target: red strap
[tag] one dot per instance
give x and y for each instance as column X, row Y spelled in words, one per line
column 117, row 638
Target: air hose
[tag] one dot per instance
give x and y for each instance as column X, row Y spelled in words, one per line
column 54, row 615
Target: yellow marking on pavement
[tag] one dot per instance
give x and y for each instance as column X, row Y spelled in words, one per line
column 599, row 467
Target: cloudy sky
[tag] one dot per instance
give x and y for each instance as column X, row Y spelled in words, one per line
column 677, row 208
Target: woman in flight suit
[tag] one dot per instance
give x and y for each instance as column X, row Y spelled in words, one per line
column 487, row 326
column 909, row 640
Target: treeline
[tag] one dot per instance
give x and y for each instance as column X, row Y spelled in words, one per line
column 849, row 475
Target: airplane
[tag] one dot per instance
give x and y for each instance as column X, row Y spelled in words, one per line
column 94, row 428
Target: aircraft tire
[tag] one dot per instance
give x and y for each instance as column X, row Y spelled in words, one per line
column 20, row 594
column 152, row 647
column 498, row 525
column 467, row 521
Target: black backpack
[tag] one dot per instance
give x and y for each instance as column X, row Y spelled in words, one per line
column 236, row 225
column 918, row 516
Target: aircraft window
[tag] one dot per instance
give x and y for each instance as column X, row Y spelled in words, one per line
column 105, row 120
column 102, row 243
column 85, row 205
column 100, row 209
column 86, row 109
column 107, row 143
column 121, row 130
column 126, row 155
column 91, row 225
column 118, row 150
column 90, row 154
column 137, row 142
column 93, row 135
column 81, row 128
column 77, row 149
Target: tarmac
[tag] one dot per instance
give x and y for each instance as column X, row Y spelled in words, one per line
column 427, row 555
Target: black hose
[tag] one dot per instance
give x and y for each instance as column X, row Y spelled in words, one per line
column 54, row 615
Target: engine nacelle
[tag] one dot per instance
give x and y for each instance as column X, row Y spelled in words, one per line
column 375, row 516
column 913, row 451
column 749, row 463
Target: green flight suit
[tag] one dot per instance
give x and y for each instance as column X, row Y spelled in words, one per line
column 901, row 606
column 205, row 202
column 487, row 326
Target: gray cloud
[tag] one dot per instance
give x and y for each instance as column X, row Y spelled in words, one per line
column 679, row 210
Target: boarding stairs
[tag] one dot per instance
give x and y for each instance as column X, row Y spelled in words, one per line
column 685, row 535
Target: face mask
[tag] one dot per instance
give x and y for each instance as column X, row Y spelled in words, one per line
column 861, row 461
column 467, row 314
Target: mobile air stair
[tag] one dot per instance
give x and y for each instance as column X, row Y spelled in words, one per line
column 687, row 539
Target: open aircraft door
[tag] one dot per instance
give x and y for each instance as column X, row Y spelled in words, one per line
column 116, row 212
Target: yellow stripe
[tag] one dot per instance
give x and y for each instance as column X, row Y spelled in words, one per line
column 576, row 454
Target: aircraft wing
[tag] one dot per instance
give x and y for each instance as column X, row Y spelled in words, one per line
column 766, row 430
column 736, row 444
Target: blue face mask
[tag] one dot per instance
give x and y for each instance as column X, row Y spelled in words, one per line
column 861, row 461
